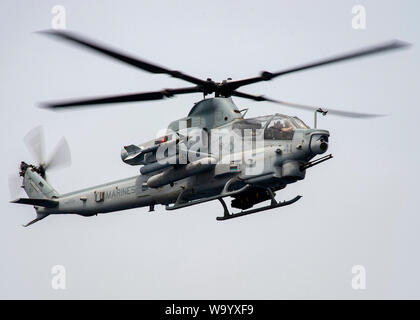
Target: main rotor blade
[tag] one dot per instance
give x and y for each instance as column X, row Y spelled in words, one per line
column 61, row 156
column 143, row 96
column 35, row 142
column 136, row 62
column 392, row 45
column 340, row 113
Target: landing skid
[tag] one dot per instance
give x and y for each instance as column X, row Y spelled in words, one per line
column 274, row 204
column 180, row 203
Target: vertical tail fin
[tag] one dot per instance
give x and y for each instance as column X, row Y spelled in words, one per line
column 34, row 183
column 41, row 194
column 39, row 191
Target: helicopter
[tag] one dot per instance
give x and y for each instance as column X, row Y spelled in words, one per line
column 213, row 153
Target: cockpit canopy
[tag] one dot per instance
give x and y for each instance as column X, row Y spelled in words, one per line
column 276, row 127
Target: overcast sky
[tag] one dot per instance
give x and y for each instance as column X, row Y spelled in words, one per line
column 361, row 208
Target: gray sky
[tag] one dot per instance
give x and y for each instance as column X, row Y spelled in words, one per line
column 359, row 208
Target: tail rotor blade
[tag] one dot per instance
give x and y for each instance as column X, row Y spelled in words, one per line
column 35, row 142
column 15, row 184
column 61, row 156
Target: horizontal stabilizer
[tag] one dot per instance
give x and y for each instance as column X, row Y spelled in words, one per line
column 37, row 202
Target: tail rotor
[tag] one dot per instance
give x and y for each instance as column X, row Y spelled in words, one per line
column 60, row 157
column 35, row 143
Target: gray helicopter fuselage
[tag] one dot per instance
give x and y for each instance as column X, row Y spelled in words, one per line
column 280, row 162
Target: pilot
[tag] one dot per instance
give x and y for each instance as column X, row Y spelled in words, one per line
column 282, row 130
column 279, row 130
column 287, row 127
column 276, row 130
column 277, row 125
column 283, row 127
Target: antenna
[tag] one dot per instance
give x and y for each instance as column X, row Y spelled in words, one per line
column 320, row 110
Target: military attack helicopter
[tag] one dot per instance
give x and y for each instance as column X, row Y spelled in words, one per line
column 193, row 162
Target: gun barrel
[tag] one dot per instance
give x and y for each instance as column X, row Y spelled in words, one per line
column 315, row 162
